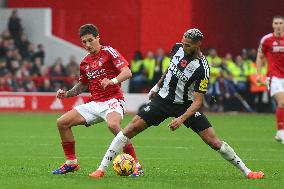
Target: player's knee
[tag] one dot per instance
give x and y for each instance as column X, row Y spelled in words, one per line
column 214, row 143
column 114, row 127
column 61, row 123
column 281, row 104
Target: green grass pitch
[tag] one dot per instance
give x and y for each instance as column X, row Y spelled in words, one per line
column 30, row 149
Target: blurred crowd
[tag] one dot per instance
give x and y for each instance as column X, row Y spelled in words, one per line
column 232, row 86
column 22, row 66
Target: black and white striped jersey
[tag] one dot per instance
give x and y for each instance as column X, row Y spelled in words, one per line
column 184, row 76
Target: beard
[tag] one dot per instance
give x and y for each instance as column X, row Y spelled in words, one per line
column 194, row 51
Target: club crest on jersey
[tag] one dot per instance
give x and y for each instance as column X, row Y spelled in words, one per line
column 100, row 63
column 183, row 63
column 97, row 63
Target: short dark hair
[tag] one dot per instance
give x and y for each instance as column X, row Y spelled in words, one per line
column 88, row 29
column 278, row 16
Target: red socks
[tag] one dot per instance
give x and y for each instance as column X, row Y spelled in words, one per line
column 280, row 118
column 128, row 149
column 69, row 150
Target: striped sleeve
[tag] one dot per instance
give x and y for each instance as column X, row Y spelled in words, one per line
column 202, row 78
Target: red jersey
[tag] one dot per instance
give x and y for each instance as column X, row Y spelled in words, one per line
column 105, row 64
column 273, row 49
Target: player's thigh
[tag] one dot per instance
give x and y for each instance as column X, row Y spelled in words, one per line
column 91, row 112
column 276, row 86
column 113, row 120
column 71, row 118
column 113, row 110
column 153, row 114
column 279, row 97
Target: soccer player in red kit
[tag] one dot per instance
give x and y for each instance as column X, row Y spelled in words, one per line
column 101, row 71
column 271, row 49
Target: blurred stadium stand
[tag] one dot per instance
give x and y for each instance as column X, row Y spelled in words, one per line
column 37, row 25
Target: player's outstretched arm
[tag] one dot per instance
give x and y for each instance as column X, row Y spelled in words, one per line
column 76, row 90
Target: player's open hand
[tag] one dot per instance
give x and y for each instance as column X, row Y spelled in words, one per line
column 106, row 82
column 175, row 123
column 61, row 94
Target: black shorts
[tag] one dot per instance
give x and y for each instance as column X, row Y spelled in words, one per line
column 159, row 109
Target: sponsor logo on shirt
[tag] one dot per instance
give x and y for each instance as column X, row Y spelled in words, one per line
column 278, row 46
column 179, row 74
column 95, row 73
column 277, row 49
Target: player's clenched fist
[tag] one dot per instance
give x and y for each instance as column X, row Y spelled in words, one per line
column 61, row 94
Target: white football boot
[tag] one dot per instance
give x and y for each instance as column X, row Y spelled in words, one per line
column 280, row 136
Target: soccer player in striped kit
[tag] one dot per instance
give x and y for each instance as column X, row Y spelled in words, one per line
column 179, row 94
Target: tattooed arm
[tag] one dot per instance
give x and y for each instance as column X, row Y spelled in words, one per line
column 76, row 90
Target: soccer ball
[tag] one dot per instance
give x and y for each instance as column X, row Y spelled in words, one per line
column 124, row 165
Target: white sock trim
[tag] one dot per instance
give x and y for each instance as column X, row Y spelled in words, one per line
column 122, row 137
column 73, row 161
